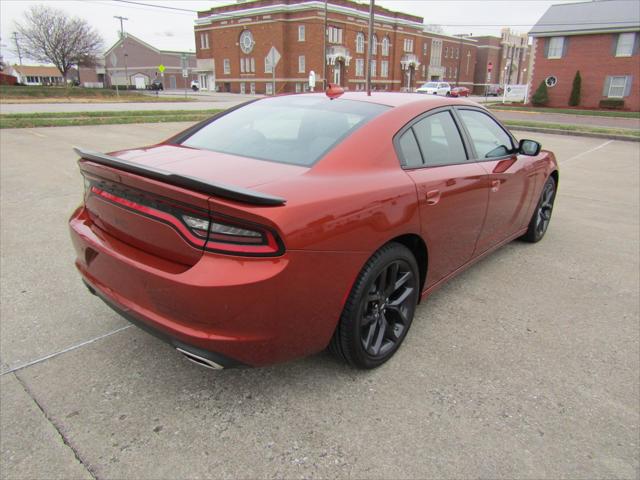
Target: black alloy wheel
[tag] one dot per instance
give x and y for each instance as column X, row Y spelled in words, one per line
column 380, row 308
column 542, row 215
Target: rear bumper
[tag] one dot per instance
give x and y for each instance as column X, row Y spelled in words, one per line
column 230, row 310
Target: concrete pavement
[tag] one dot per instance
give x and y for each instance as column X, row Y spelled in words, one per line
column 525, row 366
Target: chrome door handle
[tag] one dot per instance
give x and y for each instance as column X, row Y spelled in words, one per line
column 433, row 197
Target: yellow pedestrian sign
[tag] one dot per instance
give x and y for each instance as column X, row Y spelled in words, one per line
column 161, row 68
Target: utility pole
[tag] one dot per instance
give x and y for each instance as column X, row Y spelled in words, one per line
column 324, row 47
column 370, row 46
column 15, row 40
column 126, row 72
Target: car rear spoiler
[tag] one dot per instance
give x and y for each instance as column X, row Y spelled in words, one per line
column 220, row 190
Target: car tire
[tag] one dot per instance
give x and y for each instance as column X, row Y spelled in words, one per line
column 379, row 309
column 542, row 215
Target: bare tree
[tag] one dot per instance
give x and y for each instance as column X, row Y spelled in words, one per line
column 50, row 35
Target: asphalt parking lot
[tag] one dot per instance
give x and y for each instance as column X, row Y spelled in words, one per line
column 525, row 366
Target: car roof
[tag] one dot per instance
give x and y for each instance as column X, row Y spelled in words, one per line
column 398, row 99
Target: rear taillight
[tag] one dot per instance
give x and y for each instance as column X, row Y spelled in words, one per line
column 202, row 229
column 233, row 236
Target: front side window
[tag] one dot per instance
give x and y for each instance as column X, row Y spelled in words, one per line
column 295, row 130
column 439, row 140
column 487, row 136
column 556, row 47
column 360, row 42
column 301, row 33
column 624, row 46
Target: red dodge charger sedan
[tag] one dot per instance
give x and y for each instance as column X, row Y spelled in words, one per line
column 291, row 224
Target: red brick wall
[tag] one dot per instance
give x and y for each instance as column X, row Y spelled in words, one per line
column 593, row 56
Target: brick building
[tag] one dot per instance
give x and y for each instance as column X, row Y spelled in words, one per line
column 600, row 39
column 508, row 55
column 232, row 42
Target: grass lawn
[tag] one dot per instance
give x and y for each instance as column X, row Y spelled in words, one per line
column 574, row 128
column 570, row 111
column 36, row 94
column 64, row 119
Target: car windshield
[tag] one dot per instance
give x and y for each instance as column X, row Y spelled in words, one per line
column 430, row 85
column 293, row 129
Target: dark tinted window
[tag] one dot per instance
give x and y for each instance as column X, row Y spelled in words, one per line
column 409, row 150
column 439, row 140
column 489, row 139
column 294, row 129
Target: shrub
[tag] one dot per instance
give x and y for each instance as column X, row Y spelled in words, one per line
column 541, row 97
column 612, row 103
column 574, row 99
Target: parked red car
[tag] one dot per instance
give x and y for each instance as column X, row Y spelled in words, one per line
column 293, row 223
column 459, row 92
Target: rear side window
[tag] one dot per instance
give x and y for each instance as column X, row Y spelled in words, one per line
column 439, row 140
column 298, row 130
column 487, row 136
column 409, row 150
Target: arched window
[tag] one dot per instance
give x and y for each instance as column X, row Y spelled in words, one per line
column 385, row 47
column 360, row 42
column 375, row 45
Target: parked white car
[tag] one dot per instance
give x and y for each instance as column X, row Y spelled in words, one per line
column 435, row 88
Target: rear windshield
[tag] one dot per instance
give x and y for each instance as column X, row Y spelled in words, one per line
column 294, row 129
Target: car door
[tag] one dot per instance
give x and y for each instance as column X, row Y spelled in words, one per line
column 510, row 178
column 452, row 192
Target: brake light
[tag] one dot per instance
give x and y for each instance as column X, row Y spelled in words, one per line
column 200, row 228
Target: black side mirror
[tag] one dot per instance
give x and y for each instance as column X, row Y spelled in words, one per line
column 529, row 147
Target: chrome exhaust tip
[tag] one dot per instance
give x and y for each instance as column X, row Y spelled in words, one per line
column 203, row 362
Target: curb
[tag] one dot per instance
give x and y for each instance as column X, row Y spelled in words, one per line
column 570, row 133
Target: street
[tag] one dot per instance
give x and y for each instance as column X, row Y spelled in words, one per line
column 524, row 366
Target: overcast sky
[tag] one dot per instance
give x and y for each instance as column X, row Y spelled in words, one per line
column 173, row 30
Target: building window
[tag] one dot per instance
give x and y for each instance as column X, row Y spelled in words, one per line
column 268, row 68
column 556, row 47
column 385, row 47
column 617, row 87
column 374, row 67
column 624, row 44
column 446, row 52
column 301, row 64
column 384, row 68
column 298, row 87
column 253, row 65
column 334, row 35
column 247, row 65
column 269, row 89
column 457, row 53
column 374, row 45
column 301, row 33
column 204, row 41
column 252, row 87
column 227, row 66
column 424, row 49
column 436, row 53
column 408, row 45
column 243, row 87
column 455, row 72
column 359, row 67
column 360, row 42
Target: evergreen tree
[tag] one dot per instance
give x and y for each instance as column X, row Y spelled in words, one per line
column 541, row 97
column 574, row 99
